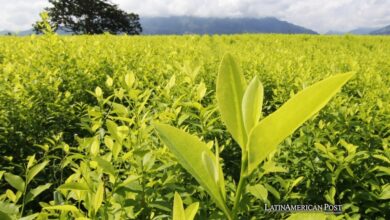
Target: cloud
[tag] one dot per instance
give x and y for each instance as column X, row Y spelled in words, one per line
column 319, row 15
column 19, row 15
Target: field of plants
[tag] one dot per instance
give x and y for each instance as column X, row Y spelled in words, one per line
column 194, row 127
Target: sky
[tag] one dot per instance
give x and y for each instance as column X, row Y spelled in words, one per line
column 318, row 15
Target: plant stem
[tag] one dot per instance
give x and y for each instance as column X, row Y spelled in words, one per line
column 241, row 184
column 24, row 194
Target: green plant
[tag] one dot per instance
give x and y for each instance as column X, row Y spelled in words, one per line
column 44, row 81
column 23, row 194
column 240, row 108
column 44, row 25
column 179, row 213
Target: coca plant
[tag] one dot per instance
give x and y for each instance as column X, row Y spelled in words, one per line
column 240, row 108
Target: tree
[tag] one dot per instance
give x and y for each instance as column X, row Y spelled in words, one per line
column 90, row 17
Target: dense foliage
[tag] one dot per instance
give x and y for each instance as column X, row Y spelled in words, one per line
column 90, row 17
column 77, row 115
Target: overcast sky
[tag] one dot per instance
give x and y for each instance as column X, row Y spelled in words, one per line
column 319, row 15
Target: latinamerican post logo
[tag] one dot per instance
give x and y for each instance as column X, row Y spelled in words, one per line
column 326, row 208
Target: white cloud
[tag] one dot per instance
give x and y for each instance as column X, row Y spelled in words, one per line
column 319, row 15
column 19, row 15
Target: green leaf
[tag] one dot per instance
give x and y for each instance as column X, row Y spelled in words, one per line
column 11, row 195
column 230, row 91
column 148, row 161
column 120, row 109
column 171, row 83
column 211, row 166
column 35, row 170
column 385, row 170
column 129, row 79
column 258, row 191
column 377, row 156
column 178, row 209
column 351, row 149
column 109, row 81
column 11, row 209
column 296, row 182
column 36, row 191
column 128, row 180
column 65, row 208
column 74, row 186
column 4, row 216
column 30, row 217
column 69, row 208
column 15, row 181
column 98, row 197
column 272, row 130
column 321, row 147
column 105, row 165
column 191, row 211
column 252, row 103
column 98, row 92
column 201, row 91
column 272, row 190
column 329, row 195
column 95, row 146
column 189, row 151
column 385, row 194
column 109, row 142
column 116, row 150
column 31, row 161
column 271, row 167
column 1, row 174
column 221, row 184
column 58, row 198
column 112, row 127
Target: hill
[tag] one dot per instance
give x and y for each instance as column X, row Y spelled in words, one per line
column 356, row 31
column 362, row 30
column 198, row 25
column 60, row 31
column 382, row 31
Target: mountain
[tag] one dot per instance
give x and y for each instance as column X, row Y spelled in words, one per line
column 199, row 25
column 382, row 31
column 26, row 32
column 18, row 33
column 356, row 31
column 362, row 30
column 60, row 31
column 5, row 32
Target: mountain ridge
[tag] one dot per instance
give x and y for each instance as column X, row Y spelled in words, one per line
column 362, row 31
column 214, row 25
column 207, row 25
column 382, row 31
column 178, row 25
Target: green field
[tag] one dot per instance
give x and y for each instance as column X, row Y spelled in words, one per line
column 78, row 119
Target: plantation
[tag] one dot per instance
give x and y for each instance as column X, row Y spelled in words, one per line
column 194, row 127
